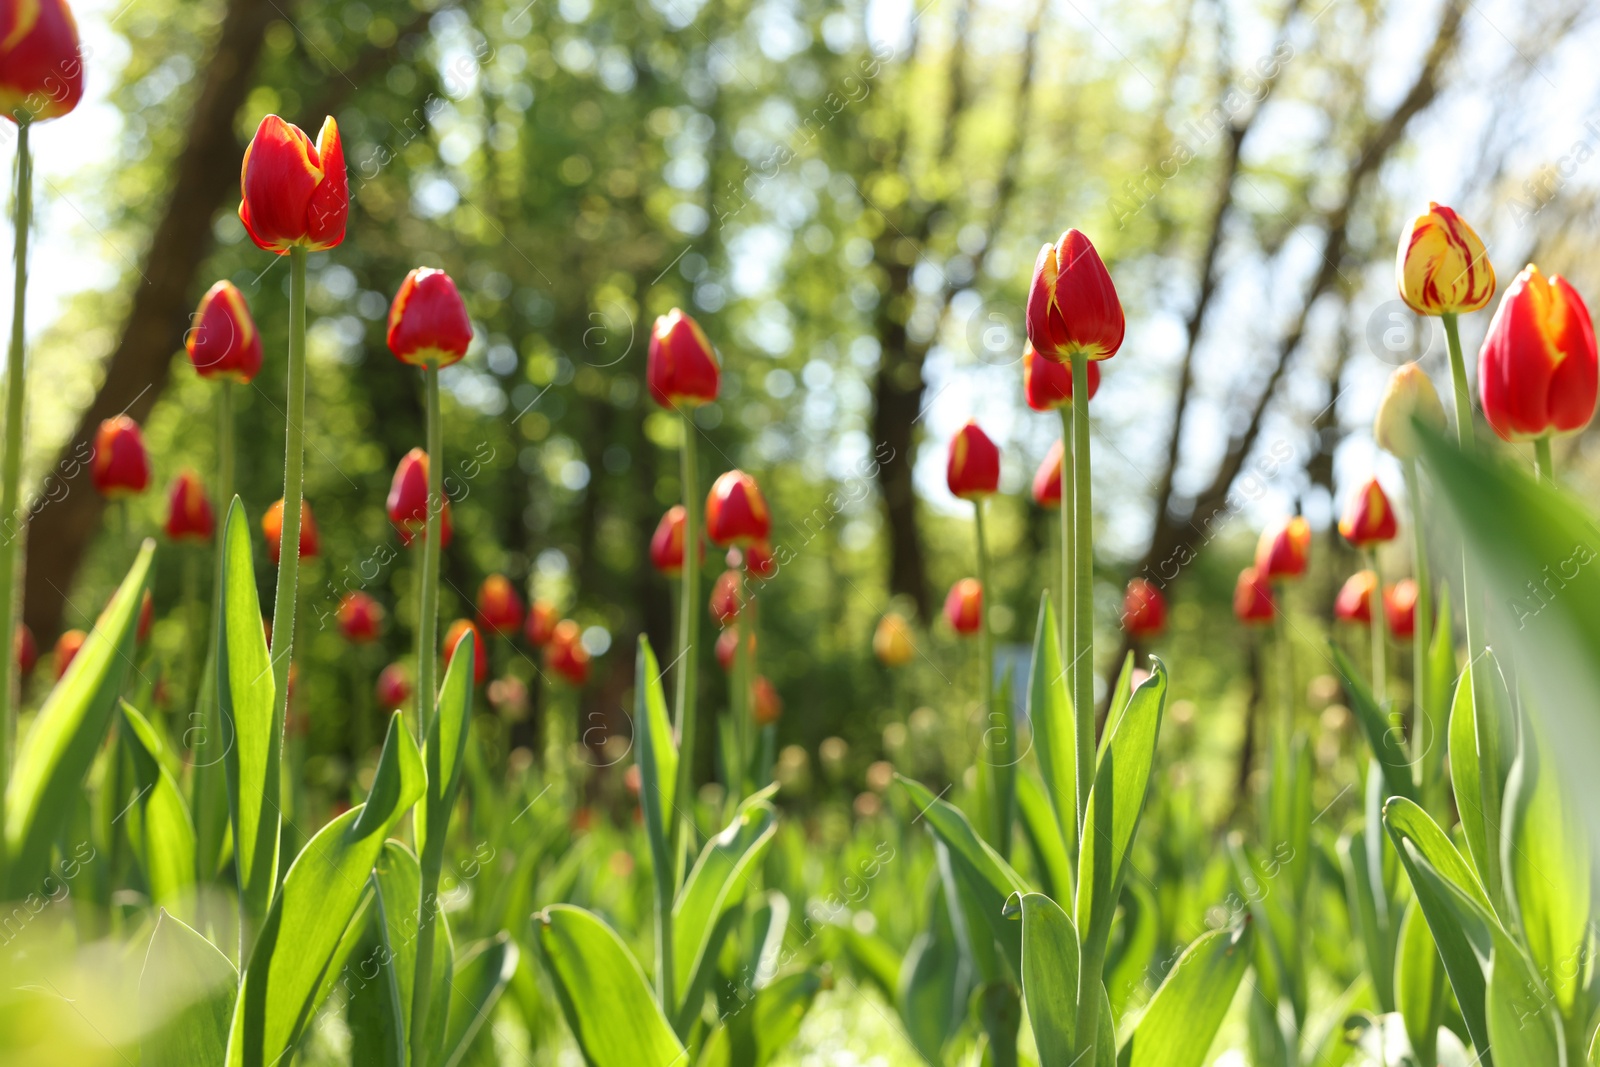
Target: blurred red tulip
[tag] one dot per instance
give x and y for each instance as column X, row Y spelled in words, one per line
column 964, row 606
column 726, row 597
column 272, row 527
column 736, row 512
column 766, row 707
column 1047, row 383
column 1284, row 549
column 1368, row 519
column 541, row 623
column 480, row 657
column 360, row 617
column 394, row 686
column 27, row 649
column 1144, row 609
column 41, row 64
column 294, row 192
column 1400, row 607
column 147, row 618
column 121, row 466
column 728, row 647
column 565, row 655
column 1538, row 372
column 67, row 646
column 1252, row 598
column 408, row 500
column 224, row 342
column 1072, row 303
column 428, row 323
column 681, row 369
column 1442, row 268
column 499, row 606
column 1354, row 602
column 189, row 514
column 1047, row 479
column 759, row 561
column 973, row 470
column 666, row 545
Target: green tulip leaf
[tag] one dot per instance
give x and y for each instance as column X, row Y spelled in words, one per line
column 158, row 822
column 1049, row 976
column 1182, row 1019
column 186, row 996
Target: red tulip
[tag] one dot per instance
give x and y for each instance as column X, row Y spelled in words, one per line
column 1144, row 609
column 1047, row 384
column 27, row 649
column 1354, row 602
column 189, row 514
column 1284, row 549
column 726, row 598
column 224, row 341
column 736, row 512
column 480, row 657
column 728, row 647
column 408, row 500
column 666, row 544
column 682, row 367
column 541, row 623
column 272, row 526
column 1047, row 479
column 1538, row 373
column 565, row 655
column 294, row 193
column 499, row 606
column 360, row 617
column 428, row 323
column 1400, row 607
column 1252, row 598
column 973, row 470
column 121, row 466
column 41, row 64
column 67, row 646
column 765, row 705
column 1368, row 519
column 964, row 606
column 759, row 561
column 1072, row 304
column 394, row 686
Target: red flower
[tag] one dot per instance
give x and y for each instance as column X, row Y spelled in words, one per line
column 1072, row 304
column 499, row 606
column 189, row 514
column 394, row 685
column 1047, row 384
column 480, row 657
column 1047, row 479
column 765, row 705
column 736, row 512
column 428, row 324
column 726, row 598
column 964, row 606
column 360, row 617
column 565, row 655
column 728, row 647
column 224, row 341
column 541, row 623
column 1252, row 598
column 973, row 470
column 121, row 464
column 27, row 649
column 1368, row 519
column 295, row 193
column 666, row 545
column 759, row 561
column 408, row 500
column 1400, row 607
column 272, row 526
column 1354, row 602
column 1538, row 373
column 41, row 66
column 1284, row 550
column 682, row 366
column 67, row 646
column 1144, row 609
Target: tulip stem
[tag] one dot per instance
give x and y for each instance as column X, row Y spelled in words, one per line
column 11, row 467
column 1543, row 462
column 1068, row 609
column 1422, row 739
column 1081, row 664
column 996, row 758
column 688, row 635
column 428, row 586
column 1379, row 679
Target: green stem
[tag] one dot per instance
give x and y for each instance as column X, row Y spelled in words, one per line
column 688, row 631
column 11, row 469
column 1067, row 611
column 1082, row 591
column 1422, row 728
column 1379, row 674
column 997, row 721
column 1542, row 460
column 432, row 859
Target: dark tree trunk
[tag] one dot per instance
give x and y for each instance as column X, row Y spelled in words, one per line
column 896, row 409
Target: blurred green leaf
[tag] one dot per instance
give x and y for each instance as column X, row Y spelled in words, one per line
column 764, row 1025
column 1054, row 729
column 1382, row 732
column 447, row 736
column 1182, row 1019
column 1419, row 984
column 158, row 820
column 483, row 969
column 186, row 996
column 1044, row 835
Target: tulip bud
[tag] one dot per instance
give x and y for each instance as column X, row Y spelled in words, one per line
column 26, row 648
column 121, row 466
column 565, row 655
column 1252, row 599
column 973, row 470
column 1368, row 519
column 1441, row 267
column 480, row 657
column 428, row 323
column 681, row 369
column 1047, row 384
column 1400, row 607
column 189, row 515
column 759, row 560
column 892, row 642
column 726, row 598
column 1538, row 373
column 1410, row 396
column 394, row 686
column 1144, row 609
column 294, row 192
column 1047, row 479
column 964, row 606
column 224, row 342
column 272, row 527
column 765, row 705
column 1072, row 304
column 666, row 544
column 499, row 606
column 728, row 647
column 360, row 617
column 1354, row 602
column 67, row 646
column 541, row 623
column 736, row 512
column 41, row 64
column 408, row 501
column 1284, row 550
